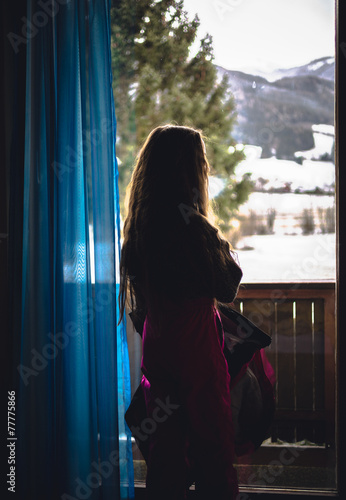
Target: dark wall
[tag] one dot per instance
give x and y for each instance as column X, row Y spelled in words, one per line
column 341, row 158
column 12, row 122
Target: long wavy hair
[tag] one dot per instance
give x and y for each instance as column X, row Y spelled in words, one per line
column 170, row 179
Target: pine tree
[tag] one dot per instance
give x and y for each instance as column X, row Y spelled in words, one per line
column 156, row 82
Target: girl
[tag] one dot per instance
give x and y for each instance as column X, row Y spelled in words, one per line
column 175, row 266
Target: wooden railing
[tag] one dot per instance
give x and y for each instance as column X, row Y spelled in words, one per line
column 300, row 318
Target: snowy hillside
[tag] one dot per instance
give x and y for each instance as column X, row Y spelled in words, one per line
column 324, row 143
column 271, row 174
column 285, row 231
column 276, row 111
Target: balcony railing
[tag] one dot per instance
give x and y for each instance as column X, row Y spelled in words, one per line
column 300, row 318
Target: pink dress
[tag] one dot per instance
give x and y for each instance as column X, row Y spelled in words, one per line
column 187, row 391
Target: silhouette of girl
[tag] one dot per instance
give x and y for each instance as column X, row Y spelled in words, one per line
column 175, row 265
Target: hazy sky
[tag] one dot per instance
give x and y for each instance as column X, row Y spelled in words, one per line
column 266, row 34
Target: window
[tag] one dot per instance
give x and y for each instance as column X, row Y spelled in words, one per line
column 285, row 233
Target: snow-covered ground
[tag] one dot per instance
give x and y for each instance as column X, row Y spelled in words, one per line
column 287, row 255
column 277, row 258
column 289, row 208
column 324, row 142
column 272, row 173
column 285, row 203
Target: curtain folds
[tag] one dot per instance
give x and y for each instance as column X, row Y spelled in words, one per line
column 72, row 367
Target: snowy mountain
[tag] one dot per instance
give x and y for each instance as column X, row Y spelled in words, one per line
column 323, row 67
column 277, row 113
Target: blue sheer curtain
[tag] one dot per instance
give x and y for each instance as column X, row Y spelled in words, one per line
column 73, row 381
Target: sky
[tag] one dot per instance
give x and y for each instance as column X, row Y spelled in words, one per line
column 266, row 34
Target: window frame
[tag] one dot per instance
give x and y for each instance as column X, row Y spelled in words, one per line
column 340, row 296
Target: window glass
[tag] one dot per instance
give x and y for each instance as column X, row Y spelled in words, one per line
column 279, row 57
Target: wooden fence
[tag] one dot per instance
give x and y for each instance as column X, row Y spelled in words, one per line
column 300, row 318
